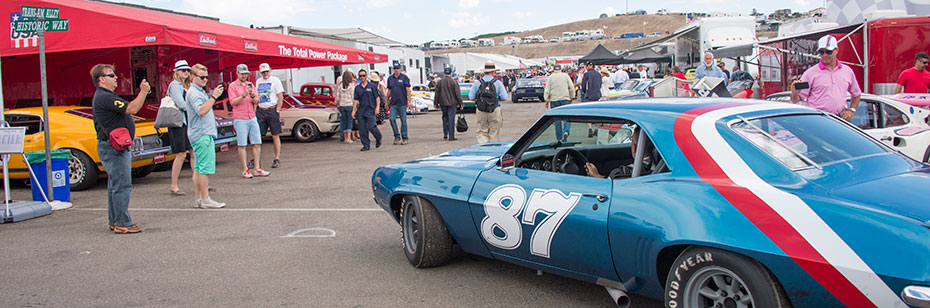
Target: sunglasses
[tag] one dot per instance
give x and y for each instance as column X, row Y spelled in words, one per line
column 204, row 77
column 186, row 70
column 925, row 62
column 360, row 76
column 111, row 75
column 824, row 51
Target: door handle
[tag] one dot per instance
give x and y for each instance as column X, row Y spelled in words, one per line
column 886, row 138
column 600, row 198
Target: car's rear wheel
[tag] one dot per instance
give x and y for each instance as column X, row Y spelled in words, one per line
column 427, row 242
column 707, row 277
column 82, row 171
column 306, row 131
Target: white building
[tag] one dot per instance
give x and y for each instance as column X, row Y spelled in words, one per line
column 470, row 62
column 410, row 56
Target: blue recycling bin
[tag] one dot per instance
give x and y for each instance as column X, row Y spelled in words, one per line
column 60, row 178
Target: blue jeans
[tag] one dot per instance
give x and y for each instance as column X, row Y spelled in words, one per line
column 345, row 119
column 399, row 111
column 366, row 123
column 448, row 121
column 560, row 126
column 118, row 165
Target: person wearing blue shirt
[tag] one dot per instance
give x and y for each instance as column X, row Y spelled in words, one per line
column 709, row 69
column 398, row 93
column 367, row 103
column 489, row 123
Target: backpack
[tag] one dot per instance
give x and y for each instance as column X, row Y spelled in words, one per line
column 486, row 97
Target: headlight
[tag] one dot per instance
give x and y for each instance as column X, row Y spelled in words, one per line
column 333, row 117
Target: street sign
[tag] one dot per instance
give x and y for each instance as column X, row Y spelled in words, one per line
column 39, row 12
column 30, row 26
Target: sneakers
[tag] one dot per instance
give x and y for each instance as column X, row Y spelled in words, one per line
column 365, row 149
column 134, row 228
column 208, row 203
column 246, row 174
column 403, row 142
column 396, row 141
column 251, row 164
column 276, row 163
column 261, row 172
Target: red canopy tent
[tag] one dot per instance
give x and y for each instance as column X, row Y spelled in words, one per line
column 144, row 43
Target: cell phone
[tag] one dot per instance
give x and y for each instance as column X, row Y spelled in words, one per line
column 802, row 85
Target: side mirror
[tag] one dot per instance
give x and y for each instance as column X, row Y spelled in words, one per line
column 507, row 162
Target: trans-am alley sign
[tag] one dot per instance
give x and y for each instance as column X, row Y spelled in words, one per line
column 307, row 53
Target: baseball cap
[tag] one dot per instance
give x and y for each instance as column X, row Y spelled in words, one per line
column 264, row 67
column 447, row 70
column 589, row 63
column 827, row 42
column 181, row 65
column 242, row 69
column 396, row 65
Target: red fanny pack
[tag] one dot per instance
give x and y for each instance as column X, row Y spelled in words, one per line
column 120, row 139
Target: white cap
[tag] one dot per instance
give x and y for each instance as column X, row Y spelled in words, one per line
column 264, row 67
column 242, row 69
column 827, row 42
column 181, row 65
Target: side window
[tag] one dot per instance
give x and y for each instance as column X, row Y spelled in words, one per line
column 326, row 91
column 865, row 116
column 307, row 91
column 316, row 91
column 891, row 116
column 33, row 124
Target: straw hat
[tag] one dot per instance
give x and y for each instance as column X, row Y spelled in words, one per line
column 374, row 77
column 489, row 67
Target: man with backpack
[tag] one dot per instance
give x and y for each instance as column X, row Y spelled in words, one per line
column 488, row 92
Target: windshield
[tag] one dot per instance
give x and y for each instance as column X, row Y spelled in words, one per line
column 629, row 85
column 529, row 83
column 820, row 139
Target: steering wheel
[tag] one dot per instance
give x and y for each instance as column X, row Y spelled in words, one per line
column 570, row 161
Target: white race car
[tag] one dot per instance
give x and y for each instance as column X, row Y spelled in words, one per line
column 423, row 92
column 899, row 125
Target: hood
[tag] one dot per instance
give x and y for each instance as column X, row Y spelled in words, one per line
column 903, row 194
column 477, row 156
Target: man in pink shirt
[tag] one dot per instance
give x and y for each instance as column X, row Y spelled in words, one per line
column 829, row 82
column 242, row 97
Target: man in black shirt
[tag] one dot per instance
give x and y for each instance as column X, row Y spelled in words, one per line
column 112, row 112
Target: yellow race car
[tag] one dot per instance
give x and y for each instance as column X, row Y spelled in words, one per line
column 72, row 128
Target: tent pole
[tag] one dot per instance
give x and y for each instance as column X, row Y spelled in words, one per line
column 48, row 141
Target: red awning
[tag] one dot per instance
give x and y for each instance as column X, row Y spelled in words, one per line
column 102, row 25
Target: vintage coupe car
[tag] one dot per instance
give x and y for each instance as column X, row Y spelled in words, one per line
column 899, row 125
column 72, row 128
column 528, row 89
column 469, row 103
column 717, row 203
column 304, row 122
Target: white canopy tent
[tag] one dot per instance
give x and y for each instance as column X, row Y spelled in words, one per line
column 474, row 62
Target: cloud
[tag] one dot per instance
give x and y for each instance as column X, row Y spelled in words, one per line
column 241, row 12
column 610, row 11
column 522, row 14
column 802, row 2
column 465, row 19
column 467, row 4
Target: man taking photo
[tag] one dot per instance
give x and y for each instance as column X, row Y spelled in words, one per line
column 824, row 86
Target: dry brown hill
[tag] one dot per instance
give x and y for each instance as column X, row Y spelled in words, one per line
column 615, row 25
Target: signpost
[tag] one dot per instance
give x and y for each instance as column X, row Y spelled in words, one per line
column 44, row 19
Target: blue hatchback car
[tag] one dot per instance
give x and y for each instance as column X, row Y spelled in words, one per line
column 697, row 202
column 528, row 90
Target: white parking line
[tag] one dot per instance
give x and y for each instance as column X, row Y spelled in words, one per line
column 237, row 210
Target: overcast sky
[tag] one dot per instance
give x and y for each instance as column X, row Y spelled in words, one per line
column 418, row 21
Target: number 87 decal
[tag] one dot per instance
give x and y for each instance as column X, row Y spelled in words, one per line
column 506, row 202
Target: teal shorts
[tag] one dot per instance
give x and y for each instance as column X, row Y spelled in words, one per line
column 205, row 155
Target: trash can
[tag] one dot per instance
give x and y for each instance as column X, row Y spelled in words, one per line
column 60, row 178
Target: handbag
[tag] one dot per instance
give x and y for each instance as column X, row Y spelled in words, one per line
column 168, row 114
column 120, row 138
column 461, row 125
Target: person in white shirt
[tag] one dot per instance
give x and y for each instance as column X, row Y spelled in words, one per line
column 270, row 102
column 619, row 77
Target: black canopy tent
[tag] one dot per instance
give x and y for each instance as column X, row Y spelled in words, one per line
column 644, row 56
column 601, row 55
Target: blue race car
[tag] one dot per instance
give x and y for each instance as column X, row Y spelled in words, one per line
column 700, row 202
column 528, row 89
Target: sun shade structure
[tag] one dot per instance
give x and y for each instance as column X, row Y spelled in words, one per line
column 645, row 56
column 104, row 25
column 601, row 55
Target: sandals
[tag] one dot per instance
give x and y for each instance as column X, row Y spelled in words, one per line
column 178, row 192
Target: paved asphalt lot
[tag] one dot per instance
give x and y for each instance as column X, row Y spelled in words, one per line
column 242, row 256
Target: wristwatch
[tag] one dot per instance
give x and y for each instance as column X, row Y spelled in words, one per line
column 851, row 109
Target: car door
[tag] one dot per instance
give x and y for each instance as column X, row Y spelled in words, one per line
column 888, row 119
column 544, row 217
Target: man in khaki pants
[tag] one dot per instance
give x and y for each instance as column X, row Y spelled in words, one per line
column 488, row 92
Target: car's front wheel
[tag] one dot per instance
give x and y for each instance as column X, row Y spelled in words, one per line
column 306, row 131
column 82, row 171
column 427, row 242
column 707, row 277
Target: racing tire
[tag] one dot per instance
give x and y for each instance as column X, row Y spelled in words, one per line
column 82, row 171
column 143, row 171
column 426, row 239
column 305, row 131
column 702, row 277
